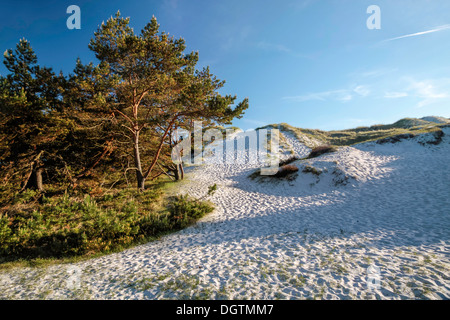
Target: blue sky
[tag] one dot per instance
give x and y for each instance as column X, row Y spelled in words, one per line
column 310, row 63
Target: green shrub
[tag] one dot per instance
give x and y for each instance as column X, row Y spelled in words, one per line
column 25, row 196
column 67, row 226
column 186, row 211
column 211, row 190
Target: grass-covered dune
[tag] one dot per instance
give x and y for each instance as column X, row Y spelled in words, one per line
column 407, row 126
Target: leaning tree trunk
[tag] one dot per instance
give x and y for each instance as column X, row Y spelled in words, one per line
column 181, row 171
column 35, row 180
column 176, row 173
column 137, row 161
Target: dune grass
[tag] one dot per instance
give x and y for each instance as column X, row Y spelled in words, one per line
column 320, row 150
column 314, row 138
column 322, row 142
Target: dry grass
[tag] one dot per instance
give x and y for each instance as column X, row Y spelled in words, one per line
column 289, row 160
column 313, row 170
column 313, row 137
column 318, row 151
column 286, row 170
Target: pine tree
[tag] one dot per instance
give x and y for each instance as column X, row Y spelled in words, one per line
column 152, row 86
column 30, row 116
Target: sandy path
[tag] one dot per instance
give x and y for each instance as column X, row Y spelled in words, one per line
column 299, row 148
column 314, row 237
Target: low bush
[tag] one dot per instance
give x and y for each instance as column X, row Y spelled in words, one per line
column 396, row 138
column 68, row 226
column 318, row 151
column 184, row 211
column 286, row 170
column 289, row 161
column 313, row 170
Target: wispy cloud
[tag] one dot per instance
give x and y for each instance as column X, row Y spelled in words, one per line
column 280, row 48
column 172, row 4
column 233, row 38
column 375, row 73
column 427, row 89
column 362, row 90
column 395, row 95
column 273, row 47
column 424, row 91
column 419, row 92
column 430, row 91
column 437, row 29
column 255, row 122
column 342, row 95
column 301, row 5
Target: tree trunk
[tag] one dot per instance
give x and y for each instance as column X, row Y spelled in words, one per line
column 39, row 184
column 140, row 181
column 176, row 173
column 35, row 181
column 158, row 152
column 181, row 171
column 137, row 162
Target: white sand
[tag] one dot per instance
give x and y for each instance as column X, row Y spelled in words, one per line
column 312, row 237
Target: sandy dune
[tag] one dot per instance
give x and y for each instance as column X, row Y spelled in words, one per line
column 312, row 237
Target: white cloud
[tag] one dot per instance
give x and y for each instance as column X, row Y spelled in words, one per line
column 377, row 73
column 233, row 37
column 340, row 95
column 437, row 29
column 281, row 48
column 427, row 89
column 255, row 122
column 430, row 91
column 422, row 92
column 343, row 95
column 171, row 4
column 273, row 47
column 362, row 90
column 395, row 95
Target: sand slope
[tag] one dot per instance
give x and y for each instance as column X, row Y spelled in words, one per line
column 312, row 237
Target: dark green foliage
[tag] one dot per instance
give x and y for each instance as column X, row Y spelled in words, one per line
column 212, row 189
column 68, row 226
column 151, row 87
column 33, row 127
column 68, row 144
column 186, row 212
column 117, row 115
